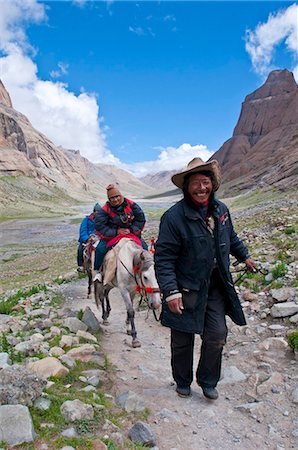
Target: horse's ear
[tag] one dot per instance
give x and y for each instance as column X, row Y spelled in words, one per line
column 142, row 256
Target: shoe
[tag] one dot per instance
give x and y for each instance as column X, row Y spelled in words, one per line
column 98, row 277
column 210, row 392
column 80, row 269
column 183, row 391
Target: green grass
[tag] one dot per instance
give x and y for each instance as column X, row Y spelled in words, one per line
column 279, row 270
column 293, row 340
column 5, row 346
column 6, row 305
column 290, row 230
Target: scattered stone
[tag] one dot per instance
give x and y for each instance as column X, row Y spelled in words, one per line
column 167, row 414
column 42, row 403
column 91, row 320
column 68, row 361
column 295, row 396
column 16, row 426
column 99, row 445
column 48, row 367
column 56, row 351
column 5, row 360
column 87, row 352
column 74, row 324
column 274, row 383
column 231, row 375
column 19, row 386
column 141, row 433
column 249, row 296
column 283, row 294
column 87, row 336
column 70, row 432
column 130, row 402
column 273, row 343
column 68, row 341
column 284, row 309
column 294, row 319
column 73, row 410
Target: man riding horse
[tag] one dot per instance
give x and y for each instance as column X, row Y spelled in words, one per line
column 118, row 218
column 86, row 230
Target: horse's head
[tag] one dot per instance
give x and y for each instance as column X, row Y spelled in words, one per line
column 145, row 275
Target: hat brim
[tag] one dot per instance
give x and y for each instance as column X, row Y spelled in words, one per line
column 212, row 166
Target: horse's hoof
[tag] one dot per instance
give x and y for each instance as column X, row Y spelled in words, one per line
column 136, row 343
column 105, row 322
column 128, row 332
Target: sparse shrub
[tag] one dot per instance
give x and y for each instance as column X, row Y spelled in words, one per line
column 293, row 340
column 276, row 284
column 290, row 230
column 5, row 346
column 279, row 270
column 80, row 314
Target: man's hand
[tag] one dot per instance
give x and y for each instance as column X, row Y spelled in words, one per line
column 123, row 231
column 251, row 265
column 175, row 305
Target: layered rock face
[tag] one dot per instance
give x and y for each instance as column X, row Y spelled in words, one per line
column 25, row 151
column 264, row 147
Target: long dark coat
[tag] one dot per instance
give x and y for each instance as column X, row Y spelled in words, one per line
column 184, row 260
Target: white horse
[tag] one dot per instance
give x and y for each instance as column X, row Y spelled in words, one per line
column 134, row 274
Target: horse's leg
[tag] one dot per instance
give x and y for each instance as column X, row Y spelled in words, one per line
column 89, row 281
column 131, row 318
column 128, row 325
column 105, row 304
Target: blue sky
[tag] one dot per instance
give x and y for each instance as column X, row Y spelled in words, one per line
column 145, row 85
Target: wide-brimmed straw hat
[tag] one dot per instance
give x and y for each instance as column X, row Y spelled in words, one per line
column 197, row 165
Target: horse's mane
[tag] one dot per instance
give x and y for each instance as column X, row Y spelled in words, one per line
column 142, row 258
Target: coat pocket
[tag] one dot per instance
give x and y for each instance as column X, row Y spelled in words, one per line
column 189, row 299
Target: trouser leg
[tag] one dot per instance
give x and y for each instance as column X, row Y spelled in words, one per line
column 80, row 254
column 100, row 253
column 182, row 357
column 214, row 334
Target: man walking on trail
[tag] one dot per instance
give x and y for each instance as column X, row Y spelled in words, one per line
column 196, row 237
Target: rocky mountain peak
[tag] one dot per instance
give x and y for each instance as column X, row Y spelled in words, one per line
column 4, row 96
column 272, row 105
column 279, row 82
column 264, row 147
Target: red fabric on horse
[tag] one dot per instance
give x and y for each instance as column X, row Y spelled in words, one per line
column 117, row 238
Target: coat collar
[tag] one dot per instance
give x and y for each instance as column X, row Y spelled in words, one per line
column 193, row 214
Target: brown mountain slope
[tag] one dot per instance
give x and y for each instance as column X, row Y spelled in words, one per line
column 26, row 152
column 264, row 147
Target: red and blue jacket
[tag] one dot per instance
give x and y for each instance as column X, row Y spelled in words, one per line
column 127, row 215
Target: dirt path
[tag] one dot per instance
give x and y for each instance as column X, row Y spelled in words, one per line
column 239, row 419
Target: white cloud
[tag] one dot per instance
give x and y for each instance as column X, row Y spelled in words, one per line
column 67, row 119
column 281, row 27
column 170, row 158
column 62, row 70
column 137, row 30
column 79, row 3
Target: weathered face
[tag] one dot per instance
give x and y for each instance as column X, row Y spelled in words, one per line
column 199, row 187
column 116, row 200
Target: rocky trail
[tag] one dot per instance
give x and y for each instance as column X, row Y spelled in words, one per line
column 257, row 406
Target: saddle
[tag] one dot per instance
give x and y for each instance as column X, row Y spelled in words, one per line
column 110, row 262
